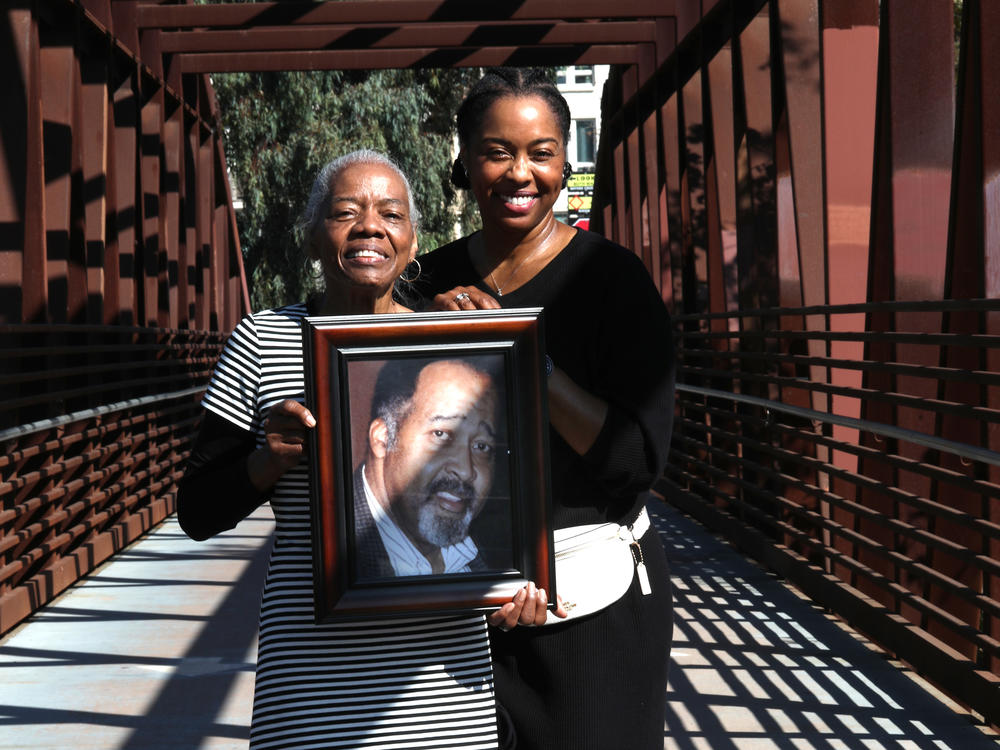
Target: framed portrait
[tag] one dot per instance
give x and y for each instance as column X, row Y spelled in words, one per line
column 429, row 478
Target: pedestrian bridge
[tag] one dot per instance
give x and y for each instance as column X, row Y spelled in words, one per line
column 155, row 651
column 813, row 186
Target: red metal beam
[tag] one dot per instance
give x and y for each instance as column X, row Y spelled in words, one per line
column 850, row 64
column 758, row 270
column 410, row 58
column 722, row 240
column 93, row 133
column 974, row 249
column 22, row 227
column 229, row 15
column 394, row 36
column 800, row 38
column 58, row 90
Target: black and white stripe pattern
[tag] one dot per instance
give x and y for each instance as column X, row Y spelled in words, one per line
column 381, row 684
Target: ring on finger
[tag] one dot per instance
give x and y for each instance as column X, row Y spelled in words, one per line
column 460, row 297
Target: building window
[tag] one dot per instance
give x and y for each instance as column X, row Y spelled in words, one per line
column 584, row 74
column 575, row 75
column 586, row 140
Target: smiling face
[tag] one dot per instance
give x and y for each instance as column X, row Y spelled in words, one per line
column 515, row 163
column 440, row 466
column 367, row 237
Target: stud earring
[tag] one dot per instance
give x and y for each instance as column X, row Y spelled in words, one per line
column 567, row 172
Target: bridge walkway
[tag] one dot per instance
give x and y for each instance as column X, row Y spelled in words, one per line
column 155, row 651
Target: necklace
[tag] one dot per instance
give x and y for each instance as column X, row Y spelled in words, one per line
column 511, row 275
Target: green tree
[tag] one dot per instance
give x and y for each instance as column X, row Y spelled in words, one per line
column 280, row 128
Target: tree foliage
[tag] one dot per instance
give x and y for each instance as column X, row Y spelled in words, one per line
column 280, row 128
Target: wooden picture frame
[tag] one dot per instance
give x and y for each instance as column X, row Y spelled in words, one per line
column 450, row 454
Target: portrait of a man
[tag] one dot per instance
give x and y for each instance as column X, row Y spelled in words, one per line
column 431, row 445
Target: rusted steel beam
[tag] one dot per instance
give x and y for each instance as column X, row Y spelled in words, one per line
column 974, row 248
column 93, row 138
column 124, row 17
column 880, row 287
column 239, row 291
column 394, row 36
column 912, row 184
column 720, row 191
column 123, row 213
column 671, row 126
column 169, row 271
column 693, row 199
column 206, row 182
column 22, row 218
column 150, row 143
column 622, row 225
column 59, row 88
column 850, row 63
column 663, row 118
column 187, row 244
column 757, row 259
column 981, row 68
column 400, row 11
column 634, row 194
column 427, row 57
column 800, row 49
column 654, row 237
column 100, row 10
column 755, row 234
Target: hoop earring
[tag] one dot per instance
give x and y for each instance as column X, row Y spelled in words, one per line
column 403, row 278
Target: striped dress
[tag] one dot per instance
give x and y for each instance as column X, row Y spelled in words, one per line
column 422, row 682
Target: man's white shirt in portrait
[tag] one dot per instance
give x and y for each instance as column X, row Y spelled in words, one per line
column 405, row 558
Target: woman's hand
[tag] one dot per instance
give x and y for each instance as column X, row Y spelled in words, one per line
column 528, row 607
column 285, row 436
column 464, row 298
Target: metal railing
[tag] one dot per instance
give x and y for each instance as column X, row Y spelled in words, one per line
column 869, row 482
column 102, row 419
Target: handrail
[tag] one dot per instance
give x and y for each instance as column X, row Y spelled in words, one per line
column 48, row 424
column 945, row 305
column 962, row 450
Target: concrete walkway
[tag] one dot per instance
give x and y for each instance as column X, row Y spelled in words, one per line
column 155, row 651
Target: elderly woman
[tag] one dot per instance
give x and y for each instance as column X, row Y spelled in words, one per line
column 401, row 683
column 598, row 680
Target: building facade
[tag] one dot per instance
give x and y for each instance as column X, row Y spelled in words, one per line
column 582, row 85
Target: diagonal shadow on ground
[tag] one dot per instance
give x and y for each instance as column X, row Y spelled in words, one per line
column 755, row 666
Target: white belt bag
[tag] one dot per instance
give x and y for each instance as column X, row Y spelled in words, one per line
column 595, row 565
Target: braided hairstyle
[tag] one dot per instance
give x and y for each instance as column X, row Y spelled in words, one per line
column 500, row 83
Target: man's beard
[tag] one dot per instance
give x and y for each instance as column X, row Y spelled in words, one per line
column 445, row 530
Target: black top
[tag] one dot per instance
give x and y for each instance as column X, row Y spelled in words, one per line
column 606, row 326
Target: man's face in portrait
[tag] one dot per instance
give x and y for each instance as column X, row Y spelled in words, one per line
column 439, row 468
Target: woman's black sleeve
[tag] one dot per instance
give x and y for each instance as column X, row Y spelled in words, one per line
column 215, row 493
column 634, row 354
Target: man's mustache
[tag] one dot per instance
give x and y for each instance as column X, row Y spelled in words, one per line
column 454, row 486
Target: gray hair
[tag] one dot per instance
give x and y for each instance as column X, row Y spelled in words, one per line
column 392, row 413
column 319, row 196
